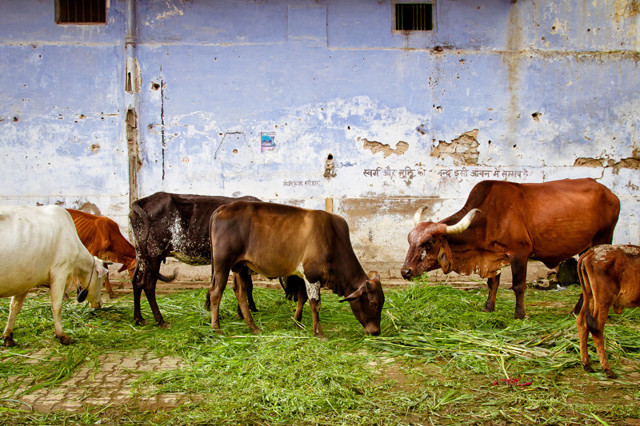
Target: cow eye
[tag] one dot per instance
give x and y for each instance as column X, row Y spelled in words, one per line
column 428, row 244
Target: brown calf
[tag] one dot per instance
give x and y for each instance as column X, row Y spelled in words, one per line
column 278, row 241
column 609, row 276
column 102, row 237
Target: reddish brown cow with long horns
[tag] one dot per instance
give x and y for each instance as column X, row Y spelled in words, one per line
column 505, row 223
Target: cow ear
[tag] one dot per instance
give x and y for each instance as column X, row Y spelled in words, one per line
column 82, row 295
column 355, row 294
column 101, row 270
column 444, row 261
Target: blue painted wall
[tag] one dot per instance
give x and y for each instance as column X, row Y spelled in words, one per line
column 527, row 91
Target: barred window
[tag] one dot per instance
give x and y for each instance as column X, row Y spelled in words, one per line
column 81, row 11
column 414, row 16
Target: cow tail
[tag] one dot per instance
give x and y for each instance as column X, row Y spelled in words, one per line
column 587, row 291
column 142, row 242
column 166, row 279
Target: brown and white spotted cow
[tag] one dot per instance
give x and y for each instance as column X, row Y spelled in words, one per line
column 166, row 224
column 610, row 277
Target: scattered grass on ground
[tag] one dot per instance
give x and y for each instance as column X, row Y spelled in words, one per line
column 440, row 359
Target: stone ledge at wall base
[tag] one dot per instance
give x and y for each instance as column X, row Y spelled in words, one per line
column 389, row 274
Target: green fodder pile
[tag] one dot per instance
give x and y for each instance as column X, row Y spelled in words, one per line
column 440, row 360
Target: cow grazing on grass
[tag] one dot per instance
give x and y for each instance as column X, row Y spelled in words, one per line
column 39, row 246
column 175, row 225
column 282, row 241
column 102, row 237
column 506, row 223
column 609, row 276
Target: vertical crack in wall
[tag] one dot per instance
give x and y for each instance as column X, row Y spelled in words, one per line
column 162, row 136
column 512, row 61
column 463, row 149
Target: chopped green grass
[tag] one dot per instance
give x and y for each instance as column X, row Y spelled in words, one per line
column 440, row 359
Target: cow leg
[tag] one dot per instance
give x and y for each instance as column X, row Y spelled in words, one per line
column 14, row 309
column 150, row 275
column 313, row 293
column 241, row 281
column 601, row 313
column 57, row 293
column 150, row 292
column 252, row 303
column 249, row 292
column 583, row 335
column 302, row 298
column 519, row 270
column 218, row 283
column 138, row 276
column 493, row 283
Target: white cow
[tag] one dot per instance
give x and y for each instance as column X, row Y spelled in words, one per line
column 39, row 246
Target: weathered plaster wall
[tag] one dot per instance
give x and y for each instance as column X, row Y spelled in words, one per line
column 528, row 91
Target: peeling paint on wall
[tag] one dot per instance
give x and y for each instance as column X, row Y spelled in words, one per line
column 625, row 163
column 375, row 147
column 463, row 149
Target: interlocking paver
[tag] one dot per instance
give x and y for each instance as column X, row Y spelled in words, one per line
column 108, row 384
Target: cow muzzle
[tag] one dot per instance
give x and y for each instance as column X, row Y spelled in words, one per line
column 406, row 273
column 372, row 329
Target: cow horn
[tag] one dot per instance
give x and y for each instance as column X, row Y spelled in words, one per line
column 463, row 224
column 417, row 217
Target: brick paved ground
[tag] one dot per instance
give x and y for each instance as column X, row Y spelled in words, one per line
column 107, row 386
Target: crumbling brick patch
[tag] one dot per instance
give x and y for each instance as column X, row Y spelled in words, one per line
column 463, row 150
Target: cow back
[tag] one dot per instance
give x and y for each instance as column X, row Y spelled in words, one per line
column 278, row 240
column 176, row 224
column 35, row 242
column 102, row 237
column 554, row 220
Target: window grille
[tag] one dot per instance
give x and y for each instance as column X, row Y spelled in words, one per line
column 81, row 11
column 414, row 16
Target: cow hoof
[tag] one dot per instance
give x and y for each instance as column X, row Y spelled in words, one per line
column 65, row 340
column 9, row 342
column 256, row 331
column 588, row 368
column 610, row 374
column 141, row 322
column 488, row 309
column 322, row 337
column 218, row 331
column 164, row 325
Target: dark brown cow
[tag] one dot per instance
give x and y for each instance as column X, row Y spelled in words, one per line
column 506, row 223
column 609, row 276
column 175, row 225
column 102, row 237
column 280, row 241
